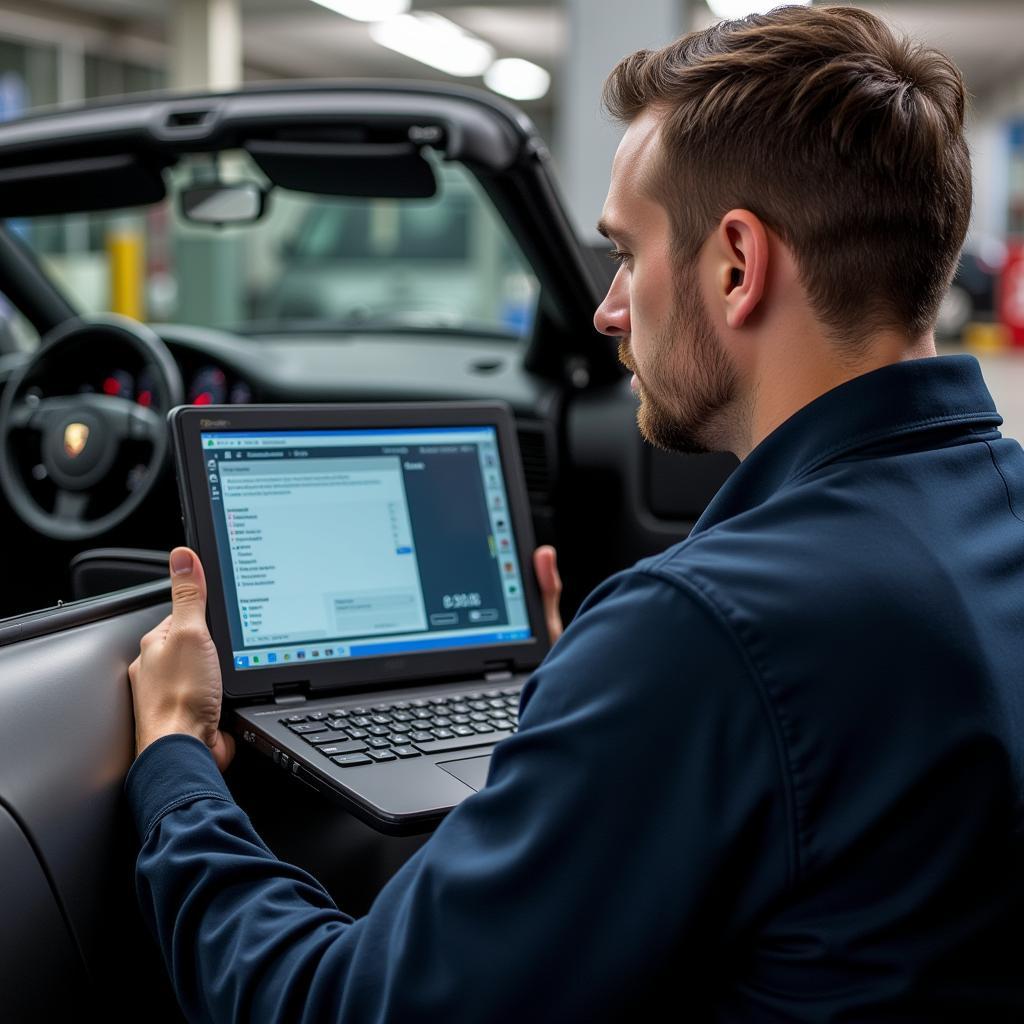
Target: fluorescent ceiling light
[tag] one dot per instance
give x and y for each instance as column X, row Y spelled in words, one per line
column 518, row 79
column 366, row 10
column 435, row 41
column 741, row 8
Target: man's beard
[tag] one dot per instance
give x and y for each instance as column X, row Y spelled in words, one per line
column 688, row 382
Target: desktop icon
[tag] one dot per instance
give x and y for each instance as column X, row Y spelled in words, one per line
column 241, row 661
column 300, row 654
column 271, row 658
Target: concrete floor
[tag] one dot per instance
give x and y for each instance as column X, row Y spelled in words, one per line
column 1004, row 375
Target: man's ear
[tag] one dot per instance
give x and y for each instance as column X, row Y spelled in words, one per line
column 741, row 255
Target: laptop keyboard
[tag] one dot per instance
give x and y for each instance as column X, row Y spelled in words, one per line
column 408, row 728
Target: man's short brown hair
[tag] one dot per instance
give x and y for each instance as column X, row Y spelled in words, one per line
column 844, row 138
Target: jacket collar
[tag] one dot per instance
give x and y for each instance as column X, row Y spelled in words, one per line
column 894, row 401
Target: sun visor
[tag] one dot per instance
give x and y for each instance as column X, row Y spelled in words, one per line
column 79, row 185
column 393, row 170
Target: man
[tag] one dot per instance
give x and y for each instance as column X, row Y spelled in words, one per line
column 776, row 773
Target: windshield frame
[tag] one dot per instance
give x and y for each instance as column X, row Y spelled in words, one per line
column 495, row 140
column 313, row 262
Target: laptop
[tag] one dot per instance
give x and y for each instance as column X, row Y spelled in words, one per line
column 370, row 592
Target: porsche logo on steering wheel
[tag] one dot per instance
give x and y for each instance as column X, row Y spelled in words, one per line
column 75, row 437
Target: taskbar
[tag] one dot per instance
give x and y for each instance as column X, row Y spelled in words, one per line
column 275, row 656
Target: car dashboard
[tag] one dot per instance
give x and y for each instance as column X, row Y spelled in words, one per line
column 377, row 368
column 205, row 384
column 580, row 448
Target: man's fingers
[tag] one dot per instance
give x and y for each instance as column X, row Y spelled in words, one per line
column 188, row 588
column 545, row 564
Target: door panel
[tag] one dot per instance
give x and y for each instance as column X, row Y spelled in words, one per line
column 41, row 967
column 66, row 743
column 66, row 735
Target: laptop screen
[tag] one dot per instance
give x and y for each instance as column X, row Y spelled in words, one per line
column 340, row 544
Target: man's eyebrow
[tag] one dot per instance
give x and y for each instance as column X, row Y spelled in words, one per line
column 606, row 229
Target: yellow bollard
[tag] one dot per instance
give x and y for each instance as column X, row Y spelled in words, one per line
column 125, row 259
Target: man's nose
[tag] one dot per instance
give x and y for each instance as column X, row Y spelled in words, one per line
column 612, row 316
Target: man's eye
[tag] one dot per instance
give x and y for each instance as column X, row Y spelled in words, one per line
column 618, row 256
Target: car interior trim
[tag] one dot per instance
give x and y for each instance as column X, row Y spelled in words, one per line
column 80, row 613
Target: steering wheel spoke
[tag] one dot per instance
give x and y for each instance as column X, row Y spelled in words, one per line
column 138, row 423
column 70, row 506
column 28, row 415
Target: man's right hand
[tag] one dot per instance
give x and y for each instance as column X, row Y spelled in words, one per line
column 545, row 565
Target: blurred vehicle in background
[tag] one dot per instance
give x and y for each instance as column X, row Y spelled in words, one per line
column 972, row 293
column 445, row 261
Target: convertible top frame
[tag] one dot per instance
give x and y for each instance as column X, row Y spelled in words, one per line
column 128, row 142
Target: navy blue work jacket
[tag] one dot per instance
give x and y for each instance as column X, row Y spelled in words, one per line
column 772, row 774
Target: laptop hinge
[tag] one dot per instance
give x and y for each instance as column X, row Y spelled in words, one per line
column 498, row 675
column 290, row 693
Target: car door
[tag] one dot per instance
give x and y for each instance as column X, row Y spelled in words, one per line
column 70, row 935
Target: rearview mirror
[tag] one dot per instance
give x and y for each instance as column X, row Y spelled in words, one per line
column 222, row 203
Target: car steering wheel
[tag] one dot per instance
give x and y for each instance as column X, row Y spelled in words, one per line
column 84, row 440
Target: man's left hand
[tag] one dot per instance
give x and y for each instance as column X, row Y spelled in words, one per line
column 176, row 682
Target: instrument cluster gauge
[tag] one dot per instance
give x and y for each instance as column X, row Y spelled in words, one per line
column 241, row 393
column 117, row 383
column 145, row 388
column 209, row 386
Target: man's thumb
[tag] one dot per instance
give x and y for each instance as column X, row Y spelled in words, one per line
column 188, row 585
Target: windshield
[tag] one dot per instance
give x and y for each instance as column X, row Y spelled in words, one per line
column 311, row 262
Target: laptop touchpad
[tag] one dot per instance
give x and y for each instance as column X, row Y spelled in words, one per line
column 470, row 770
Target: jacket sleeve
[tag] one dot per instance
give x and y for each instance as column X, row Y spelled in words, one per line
column 632, row 829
